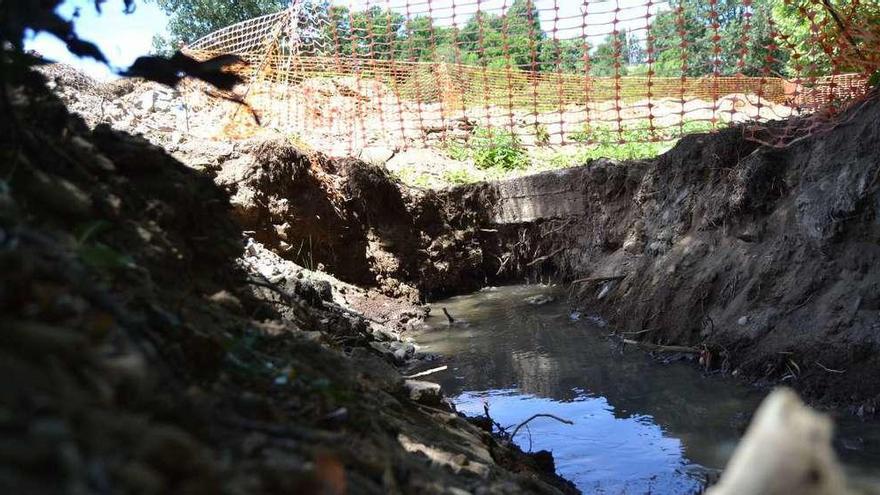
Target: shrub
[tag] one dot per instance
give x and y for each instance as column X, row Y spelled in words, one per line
column 498, row 149
column 542, row 135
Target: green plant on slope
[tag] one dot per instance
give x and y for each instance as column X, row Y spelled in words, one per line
column 633, row 142
column 542, row 135
column 498, row 149
column 456, row 150
column 459, row 176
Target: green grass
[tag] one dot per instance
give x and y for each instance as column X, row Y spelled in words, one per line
column 460, row 176
column 496, row 154
column 490, row 149
column 498, row 149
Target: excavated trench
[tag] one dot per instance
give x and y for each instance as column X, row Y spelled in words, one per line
column 141, row 329
column 764, row 260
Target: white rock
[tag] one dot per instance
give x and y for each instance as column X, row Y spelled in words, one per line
column 148, row 101
column 423, row 392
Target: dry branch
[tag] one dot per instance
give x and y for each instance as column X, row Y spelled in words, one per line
column 427, row 372
column 545, row 257
column 540, row 415
column 448, row 316
column 662, row 348
column 598, row 279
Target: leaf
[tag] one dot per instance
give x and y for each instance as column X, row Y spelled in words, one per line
column 102, row 257
column 87, row 231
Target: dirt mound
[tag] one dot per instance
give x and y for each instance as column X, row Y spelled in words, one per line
column 153, row 351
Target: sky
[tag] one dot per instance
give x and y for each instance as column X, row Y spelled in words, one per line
column 123, row 37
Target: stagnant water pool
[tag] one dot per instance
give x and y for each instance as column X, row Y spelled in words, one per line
column 640, row 426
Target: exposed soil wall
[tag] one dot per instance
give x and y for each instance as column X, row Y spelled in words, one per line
column 767, row 258
column 146, row 348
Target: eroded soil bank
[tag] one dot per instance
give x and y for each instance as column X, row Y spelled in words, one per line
column 148, row 347
column 266, row 361
column 764, row 259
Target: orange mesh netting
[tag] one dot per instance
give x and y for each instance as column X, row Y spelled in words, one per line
column 343, row 76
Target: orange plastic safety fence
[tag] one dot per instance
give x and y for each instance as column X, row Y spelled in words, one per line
column 345, row 75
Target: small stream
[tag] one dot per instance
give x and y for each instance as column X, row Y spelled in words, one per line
column 640, row 426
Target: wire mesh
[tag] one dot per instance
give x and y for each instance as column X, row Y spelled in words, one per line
column 411, row 73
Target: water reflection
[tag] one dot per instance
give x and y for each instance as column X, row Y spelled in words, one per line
column 639, row 426
column 602, row 452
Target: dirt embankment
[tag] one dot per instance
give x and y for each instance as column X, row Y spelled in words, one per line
column 766, row 259
column 769, row 259
column 148, row 349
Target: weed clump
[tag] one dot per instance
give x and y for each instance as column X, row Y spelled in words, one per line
column 498, row 149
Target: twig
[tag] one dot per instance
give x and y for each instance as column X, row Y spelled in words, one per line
column 801, row 305
column 504, row 261
column 662, row 348
column 557, row 229
column 540, row 415
column 840, row 372
column 598, row 279
column 639, row 332
column 545, row 257
column 448, row 316
column 427, row 372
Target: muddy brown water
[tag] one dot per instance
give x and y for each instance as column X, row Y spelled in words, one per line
column 640, row 425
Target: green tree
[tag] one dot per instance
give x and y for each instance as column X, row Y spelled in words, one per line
column 793, row 23
column 611, row 57
column 690, row 34
column 189, row 20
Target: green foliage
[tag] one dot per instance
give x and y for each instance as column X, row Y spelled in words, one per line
column 97, row 254
column 492, row 148
column 698, row 57
column 456, row 150
column 515, row 38
column 542, row 135
column 634, row 142
column 189, row 20
column 459, row 176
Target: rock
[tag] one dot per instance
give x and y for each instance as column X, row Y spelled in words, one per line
column 147, row 102
column 376, row 155
column 539, row 300
column 383, row 351
column 59, row 195
column 743, row 321
column 103, row 163
column 428, row 393
column 227, row 300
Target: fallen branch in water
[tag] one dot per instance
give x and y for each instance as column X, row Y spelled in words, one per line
column 448, row 316
column 662, row 348
column 545, row 257
column 598, row 279
column 540, row 415
column 427, row 372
